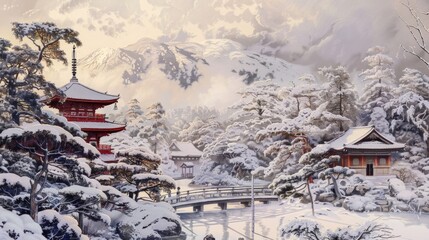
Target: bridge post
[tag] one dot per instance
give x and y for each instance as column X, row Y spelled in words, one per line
column 223, row 205
column 198, row 208
column 204, row 193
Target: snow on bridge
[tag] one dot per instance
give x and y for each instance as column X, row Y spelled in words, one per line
column 220, row 196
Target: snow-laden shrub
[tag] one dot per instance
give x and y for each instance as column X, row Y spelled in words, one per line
column 406, row 196
column 12, row 184
column 149, row 221
column 216, row 178
column 395, row 186
column 309, row 230
column 359, row 203
column 58, row 227
column 357, row 185
column 13, row 226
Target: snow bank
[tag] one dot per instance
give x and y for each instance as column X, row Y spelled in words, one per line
column 84, row 192
column 23, row 226
column 12, row 179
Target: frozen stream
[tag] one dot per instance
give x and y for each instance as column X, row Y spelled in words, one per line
column 236, row 221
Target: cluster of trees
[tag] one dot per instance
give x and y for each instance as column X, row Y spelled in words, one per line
column 50, row 177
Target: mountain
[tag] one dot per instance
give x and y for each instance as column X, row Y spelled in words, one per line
column 187, row 63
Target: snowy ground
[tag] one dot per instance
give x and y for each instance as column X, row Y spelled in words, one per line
column 236, row 223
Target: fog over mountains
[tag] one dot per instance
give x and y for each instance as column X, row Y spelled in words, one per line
column 201, row 52
column 192, row 71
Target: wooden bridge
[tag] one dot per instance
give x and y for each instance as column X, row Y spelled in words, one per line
column 220, row 196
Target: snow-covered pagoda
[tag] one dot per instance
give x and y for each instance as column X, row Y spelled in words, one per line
column 185, row 155
column 365, row 150
column 79, row 107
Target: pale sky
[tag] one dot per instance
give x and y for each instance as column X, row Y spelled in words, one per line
column 306, row 32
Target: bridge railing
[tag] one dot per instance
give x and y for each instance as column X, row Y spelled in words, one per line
column 205, row 193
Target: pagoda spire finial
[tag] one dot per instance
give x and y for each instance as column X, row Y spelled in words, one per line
column 74, row 78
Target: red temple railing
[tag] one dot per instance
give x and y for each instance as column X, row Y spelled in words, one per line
column 97, row 118
column 104, row 149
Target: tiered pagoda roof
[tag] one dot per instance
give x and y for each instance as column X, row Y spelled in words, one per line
column 80, row 104
column 77, row 92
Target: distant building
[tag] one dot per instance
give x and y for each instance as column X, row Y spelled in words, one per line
column 186, row 156
column 365, row 150
column 79, row 107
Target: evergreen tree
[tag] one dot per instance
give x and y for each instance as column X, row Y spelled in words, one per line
column 379, row 81
column 21, row 67
column 339, row 93
column 157, row 130
column 46, row 144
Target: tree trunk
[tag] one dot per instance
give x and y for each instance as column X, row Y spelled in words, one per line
column 297, row 106
column 33, row 203
column 80, row 223
column 427, row 147
column 311, row 196
column 13, row 102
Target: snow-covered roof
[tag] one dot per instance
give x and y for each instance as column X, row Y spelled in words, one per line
column 359, row 138
column 184, row 149
column 187, row 164
column 85, row 126
column 77, row 91
column 107, row 157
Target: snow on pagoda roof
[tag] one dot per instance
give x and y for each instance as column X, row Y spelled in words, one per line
column 99, row 125
column 184, row 149
column 359, row 138
column 78, row 91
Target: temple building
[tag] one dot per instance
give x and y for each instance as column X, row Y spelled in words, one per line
column 80, row 106
column 365, row 150
column 185, row 156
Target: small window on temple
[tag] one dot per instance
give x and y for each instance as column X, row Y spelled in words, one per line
column 93, row 143
column 382, row 161
column 73, row 114
column 356, row 162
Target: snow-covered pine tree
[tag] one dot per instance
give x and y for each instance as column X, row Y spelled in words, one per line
column 339, row 93
column 216, row 167
column 85, row 201
column 410, row 124
column 379, row 82
column 236, row 151
column 21, row 66
column 134, row 110
column 285, row 185
column 285, row 154
column 45, row 144
column 304, row 94
column 201, row 132
column 156, row 131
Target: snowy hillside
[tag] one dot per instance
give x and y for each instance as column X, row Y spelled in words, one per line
column 220, row 62
column 184, row 62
